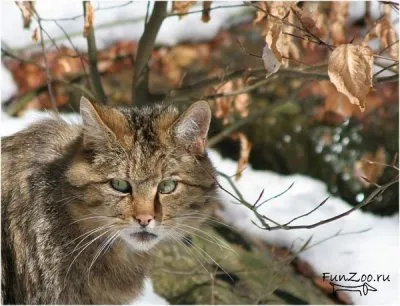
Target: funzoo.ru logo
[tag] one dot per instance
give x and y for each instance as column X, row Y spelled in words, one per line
column 362, row 289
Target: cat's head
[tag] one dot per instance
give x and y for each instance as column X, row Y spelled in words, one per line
column 143, row 174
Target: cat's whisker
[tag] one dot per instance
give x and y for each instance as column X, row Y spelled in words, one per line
column 215, row 241
column 212, row 259
column 207, row 220
column 112, row 241
column 68, row 200
column 178, row 239
column 101, row 248
column 200, row 216
column 91, row 217
column 87, row 234
column 86, row 246
column 203, row 254
column 221, row 247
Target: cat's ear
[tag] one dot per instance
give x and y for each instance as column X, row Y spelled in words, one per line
column 191, row 128
column 101, row 123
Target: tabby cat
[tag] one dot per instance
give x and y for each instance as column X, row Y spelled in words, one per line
column 83, row 206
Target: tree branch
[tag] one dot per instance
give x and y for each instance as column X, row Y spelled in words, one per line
column 140, row 88
column 92, row 54
column 46, row 64
column 264, row 220
column 387, row 79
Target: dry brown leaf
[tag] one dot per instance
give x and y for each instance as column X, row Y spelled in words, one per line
column 337, row 107
column 319, row 28
column 205, row 14
column 27, row 9
column 245, row 149
column 386, row 9
column 225, row 106
column 272, row 56
column 241, row 104
column 279, row 45
column 35, row 35
column 388, row 37
column 169, row 67
column 186, row 55
column 88, row 19
column 182, row 7
column 270, row 61
column 337, row 21
column 311, row 6
column 370, row 167
column 350, row 70
column 281, row 8
column 274, row 41
column 261, row 13
column 385, row 31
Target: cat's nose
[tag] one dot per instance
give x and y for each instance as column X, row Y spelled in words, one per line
column 144, row 219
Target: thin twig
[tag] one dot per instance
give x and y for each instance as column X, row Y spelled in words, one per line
column 275, row 196
column 211, row 9
column 20, row 59
column 386, row 58
column 388, row 79
column 309, row 212
column 81, row 57
column 46, row 64
column 263, row 219
column 337, row 234
column 385, row 68
column 83, row 15
column 388, row 47
column 146, row 18
column 196, row 91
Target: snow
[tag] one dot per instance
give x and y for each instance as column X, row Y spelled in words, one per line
column 8, row 87
column 149, row 297
column 127, row 20
column 372, row 252
column 173, row 30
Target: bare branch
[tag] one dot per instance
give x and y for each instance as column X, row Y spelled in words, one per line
column 94, row 72
column 307, row 213
column 81, row 57
column 275, row 196
column 72, row 18
column 46, row 64
column 386, row 58
column 210, row 9
column 388, row 79
column 263, row 219
column 337, row 234
column 385, row 68
column 21, row 101
column 22, row 60
column 388, row 47
column 140, row 88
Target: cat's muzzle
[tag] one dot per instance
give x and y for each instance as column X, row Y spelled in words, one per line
column 144, row 236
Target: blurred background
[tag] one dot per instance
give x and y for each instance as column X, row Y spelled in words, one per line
column 273, row 126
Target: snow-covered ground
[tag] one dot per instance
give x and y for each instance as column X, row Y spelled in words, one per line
column 373, row 252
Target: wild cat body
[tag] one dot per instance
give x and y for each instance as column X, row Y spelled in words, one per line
column 83, row 206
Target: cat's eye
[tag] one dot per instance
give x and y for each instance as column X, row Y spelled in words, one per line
column 121, row 185
column 167, row 186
